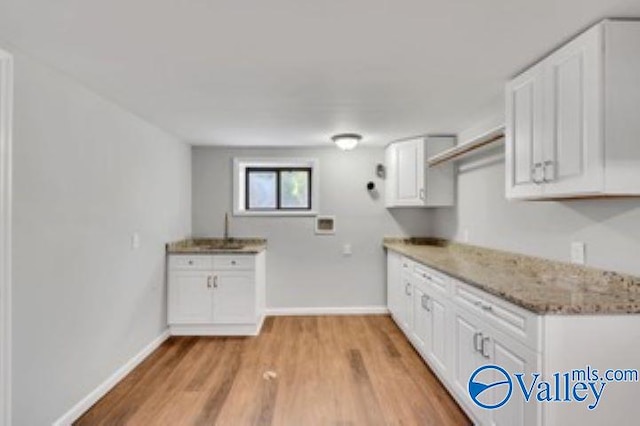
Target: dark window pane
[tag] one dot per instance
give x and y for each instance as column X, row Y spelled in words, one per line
column 262, row 187
column 294, row 189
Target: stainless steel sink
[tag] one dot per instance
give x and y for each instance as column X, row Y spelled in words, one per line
column 222, row 245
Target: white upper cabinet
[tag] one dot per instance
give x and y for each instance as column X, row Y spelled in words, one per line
column 410, row 183
column 524, row 114
column 565, row 132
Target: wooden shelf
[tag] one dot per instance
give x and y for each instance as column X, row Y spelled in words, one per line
column 457, row 152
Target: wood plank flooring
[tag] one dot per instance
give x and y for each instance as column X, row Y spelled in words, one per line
column 330, row 370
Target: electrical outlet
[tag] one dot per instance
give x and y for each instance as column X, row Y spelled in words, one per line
column 578, row 252
column 346, row 250
column 135, row 241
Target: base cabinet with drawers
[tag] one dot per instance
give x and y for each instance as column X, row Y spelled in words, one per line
column 458, row 328
column 216, row 294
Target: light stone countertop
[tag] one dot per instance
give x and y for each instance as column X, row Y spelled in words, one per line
column 217, row 246
column 538, row 285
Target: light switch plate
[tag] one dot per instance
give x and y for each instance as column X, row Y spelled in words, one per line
column 346, row 250
column 578, row 252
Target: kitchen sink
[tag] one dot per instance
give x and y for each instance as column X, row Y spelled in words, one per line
column 221, row 245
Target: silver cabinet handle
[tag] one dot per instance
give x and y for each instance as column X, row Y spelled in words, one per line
column 425, row 302
column 209, row 281
column 545, row 166
column 407, row 289
column 483, row 345
column 534, row 173
column 486, row 307
column 215, row 281
column 476, row 342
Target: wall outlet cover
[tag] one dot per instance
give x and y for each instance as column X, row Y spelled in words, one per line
column 578, row 252
column 135, row 241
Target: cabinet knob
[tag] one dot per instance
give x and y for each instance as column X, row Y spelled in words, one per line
column 233, row 262
column 191, row 262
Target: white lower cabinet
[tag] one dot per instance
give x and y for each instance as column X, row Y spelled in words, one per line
column 466, row 359
column 430, row 326
column 216, row 294
column 190, row 294
column 235, row 296
column 513, row 357
column 456, row 329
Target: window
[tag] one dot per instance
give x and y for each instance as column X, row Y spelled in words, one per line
column 278, row 188
column 275, row 187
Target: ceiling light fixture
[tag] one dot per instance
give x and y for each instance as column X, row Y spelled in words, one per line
column 346, row 141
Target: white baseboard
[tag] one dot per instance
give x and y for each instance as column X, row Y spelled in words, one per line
column 79, row 409
column 216, row 329
column 347, row 310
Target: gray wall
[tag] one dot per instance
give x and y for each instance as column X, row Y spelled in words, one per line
column 610, row 228
column 86, row 175
column 303, row 269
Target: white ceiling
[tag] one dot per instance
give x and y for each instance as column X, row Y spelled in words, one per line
column 294, row 72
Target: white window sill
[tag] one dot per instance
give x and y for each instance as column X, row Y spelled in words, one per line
column 305, row 213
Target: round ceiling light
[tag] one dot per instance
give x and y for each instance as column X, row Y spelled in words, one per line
column 346, row 141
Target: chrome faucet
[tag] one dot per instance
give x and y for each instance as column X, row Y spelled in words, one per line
column 226, row 226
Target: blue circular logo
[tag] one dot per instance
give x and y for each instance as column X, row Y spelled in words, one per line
column 491, row 377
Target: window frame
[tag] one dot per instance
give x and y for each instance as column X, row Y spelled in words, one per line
column 240, row 191
column 278, row 172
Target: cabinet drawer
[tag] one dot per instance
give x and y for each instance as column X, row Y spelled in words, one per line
column 504, row 316
column 431, row 278
column 234, row 262
column 190, row 262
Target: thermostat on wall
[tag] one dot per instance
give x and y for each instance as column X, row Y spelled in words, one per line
column 325, row 225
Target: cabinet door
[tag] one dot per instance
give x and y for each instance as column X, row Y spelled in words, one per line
column 467, row 359
column 573, row 143
column 422, row 324
column 190, row 297
column 524, row 132
column 394, row 284
column 234, row 298
column 514, row 358
column 406, row 304
column 410, row 164
column 440, row 334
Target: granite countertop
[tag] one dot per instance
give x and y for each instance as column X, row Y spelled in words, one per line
column 217, row 246
column 538, row 285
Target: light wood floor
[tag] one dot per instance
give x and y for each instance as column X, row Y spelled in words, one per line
column 331, row 370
